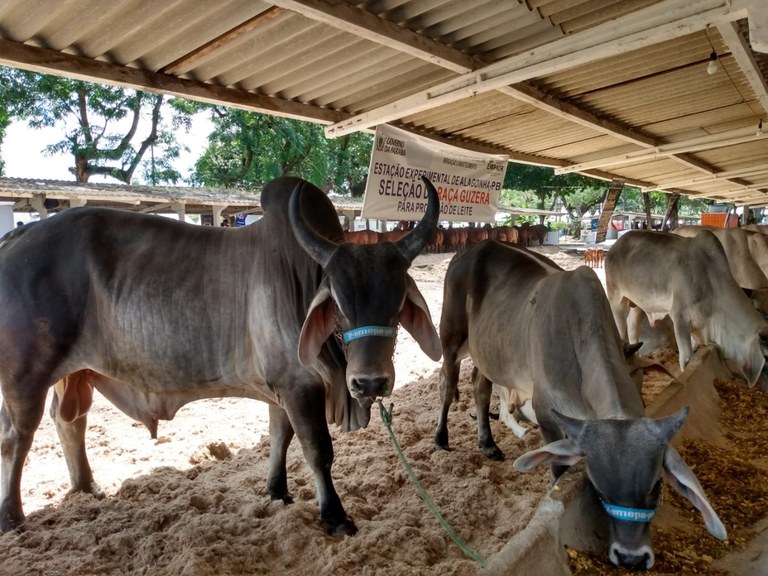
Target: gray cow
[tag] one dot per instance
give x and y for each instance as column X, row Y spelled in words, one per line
column 156, row 313
column 548, row 336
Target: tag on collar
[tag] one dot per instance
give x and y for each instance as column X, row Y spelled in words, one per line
column 365, row 331
column 629, row 514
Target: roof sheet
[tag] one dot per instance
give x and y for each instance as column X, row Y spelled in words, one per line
column 558, row 83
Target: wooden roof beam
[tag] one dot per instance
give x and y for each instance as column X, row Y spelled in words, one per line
column 48, row 61
column 709, row 142
column 364, row 24
column 743, row 172
column 185, row 62
column 659, row 22
column 746, row 60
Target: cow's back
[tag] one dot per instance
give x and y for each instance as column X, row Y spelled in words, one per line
column 653, row 267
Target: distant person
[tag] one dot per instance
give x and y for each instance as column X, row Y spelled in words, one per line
column 225, row 223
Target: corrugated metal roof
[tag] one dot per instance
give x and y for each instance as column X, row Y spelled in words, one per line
column 588, row 80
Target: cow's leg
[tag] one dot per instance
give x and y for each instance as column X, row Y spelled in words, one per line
column 72, row 437
column 280, row 436
column 449, row 380
column 19, row 418
column 483, row 388
column 683, row 339
column 306, row 410
column 634, row 324
column 510, row 419
column 620, row 308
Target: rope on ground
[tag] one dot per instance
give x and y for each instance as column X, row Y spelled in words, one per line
column 386, row 417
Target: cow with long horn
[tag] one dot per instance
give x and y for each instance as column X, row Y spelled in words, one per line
column 135, row 306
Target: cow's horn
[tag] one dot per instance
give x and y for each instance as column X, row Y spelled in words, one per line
column 412, row 245
column 317, row 246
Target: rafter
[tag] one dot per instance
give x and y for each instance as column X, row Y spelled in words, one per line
column 186, row 61
column 363, row 24
column 708, row 142
column 746, row 61
column 53, row 62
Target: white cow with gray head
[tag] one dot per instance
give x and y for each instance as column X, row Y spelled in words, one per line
column 688, row 279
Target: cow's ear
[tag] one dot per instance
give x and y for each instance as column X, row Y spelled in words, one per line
column 318, row 325
column 680, row 477
column 416, row 319
column 563, row 452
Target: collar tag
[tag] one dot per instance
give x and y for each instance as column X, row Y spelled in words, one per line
column 365, row 331
column 629, row 514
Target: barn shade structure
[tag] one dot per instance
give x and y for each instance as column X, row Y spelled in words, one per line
column 611, row 88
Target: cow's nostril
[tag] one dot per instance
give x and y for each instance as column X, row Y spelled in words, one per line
column 355, row 387
column 369, row 386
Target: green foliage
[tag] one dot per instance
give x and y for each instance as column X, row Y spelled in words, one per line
column 540, row 188
column 247, row 149
column 102, row 129
column 5, row 121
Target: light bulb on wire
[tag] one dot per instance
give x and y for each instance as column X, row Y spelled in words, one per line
column 713, row 65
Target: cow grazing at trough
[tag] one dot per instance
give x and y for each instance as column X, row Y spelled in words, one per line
column 136, row 306
column 658, row 274
column 547, row 335
column 742, row 260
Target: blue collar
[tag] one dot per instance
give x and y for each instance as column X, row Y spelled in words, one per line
column 629, row 514
column 365, row 331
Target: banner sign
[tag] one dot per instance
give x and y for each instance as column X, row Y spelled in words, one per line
column 468, row 183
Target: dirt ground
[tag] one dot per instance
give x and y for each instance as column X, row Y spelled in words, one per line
column 194, row 502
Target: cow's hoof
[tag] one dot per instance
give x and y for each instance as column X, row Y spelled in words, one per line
column 287, row 498
column 93, row 489
column 10, row 522
column 441, row 440
column 492, row 453
column 344, row 528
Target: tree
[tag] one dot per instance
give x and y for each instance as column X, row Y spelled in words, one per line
column 108, row 130
column 5, row 121
column 247, row 149
column 539, row 187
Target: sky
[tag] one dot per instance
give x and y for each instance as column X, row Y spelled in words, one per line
column 23, row 152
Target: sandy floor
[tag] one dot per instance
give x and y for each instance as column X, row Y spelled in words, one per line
column 194, row 502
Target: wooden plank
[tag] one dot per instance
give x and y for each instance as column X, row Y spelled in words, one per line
column 53, row 62
column 186, row 61
column 364, row 24
column 609, row 205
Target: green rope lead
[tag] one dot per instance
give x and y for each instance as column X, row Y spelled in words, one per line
column 386, row 417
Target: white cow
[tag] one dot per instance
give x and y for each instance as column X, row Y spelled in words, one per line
column 740, row 249
column 688, row 279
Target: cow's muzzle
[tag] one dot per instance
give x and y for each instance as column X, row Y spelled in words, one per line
column 640, row 559
column 370, row 386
